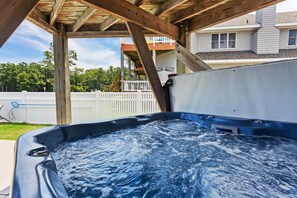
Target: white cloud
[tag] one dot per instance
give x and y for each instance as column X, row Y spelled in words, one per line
column 286, row 6
column 32, row 36
column 94, row 54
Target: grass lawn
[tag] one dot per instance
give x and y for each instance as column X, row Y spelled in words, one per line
column 11, row 131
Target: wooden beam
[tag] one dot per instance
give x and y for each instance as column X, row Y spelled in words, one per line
column 13, row 12
column 148, row 64
column 98, row 34
column 38, row 18
column 138, row 2
column 226, row 12
column 82, row 19
column 56, row 9
column 190, row 60
column 62, row 77
column 93, row 31
column 131, row 13
column 168, row 5
column 108, row 23
column 200, row 7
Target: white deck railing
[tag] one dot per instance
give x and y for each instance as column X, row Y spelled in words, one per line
column 86, row 107
column 132, row 86
column 153, row 40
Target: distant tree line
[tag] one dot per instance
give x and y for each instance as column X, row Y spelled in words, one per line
column 39, row 77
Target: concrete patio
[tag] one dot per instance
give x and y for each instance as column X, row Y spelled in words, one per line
column 6, row 166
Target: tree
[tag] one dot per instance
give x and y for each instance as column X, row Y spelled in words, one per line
column 48, row 66
column 40, row 76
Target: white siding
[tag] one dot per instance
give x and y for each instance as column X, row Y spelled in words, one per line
column 268, row 34
column 283, row 40
column 167, row 59
column 194, row 44
column 202, row 42
column 254, row 42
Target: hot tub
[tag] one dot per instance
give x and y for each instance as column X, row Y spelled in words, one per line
column 36, row 171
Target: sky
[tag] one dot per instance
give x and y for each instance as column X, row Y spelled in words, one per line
column 28, row 43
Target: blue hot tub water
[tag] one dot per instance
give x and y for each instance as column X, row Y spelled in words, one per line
column 177, row 158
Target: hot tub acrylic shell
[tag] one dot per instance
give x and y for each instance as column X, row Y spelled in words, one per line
column 35, row 170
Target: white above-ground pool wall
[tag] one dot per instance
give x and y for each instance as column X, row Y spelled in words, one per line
column 264, row 92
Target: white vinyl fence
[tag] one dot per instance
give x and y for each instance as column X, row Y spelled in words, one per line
column 86, row 106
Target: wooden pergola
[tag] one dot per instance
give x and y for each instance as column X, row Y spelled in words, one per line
column 120, row 18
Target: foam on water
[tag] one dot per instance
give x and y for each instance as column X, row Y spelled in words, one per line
column 177, row 158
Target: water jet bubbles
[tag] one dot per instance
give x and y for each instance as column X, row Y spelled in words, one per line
column 177, row 158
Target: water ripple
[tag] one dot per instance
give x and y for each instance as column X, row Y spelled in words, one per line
column 177, row 158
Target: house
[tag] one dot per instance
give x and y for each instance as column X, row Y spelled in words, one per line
column 250, row 39
column 163, row 53
column 265, row 36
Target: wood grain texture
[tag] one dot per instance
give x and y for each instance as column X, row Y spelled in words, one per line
column 228, row 11
column 190, row 60
column 201, row 6
column 168, row 5
column 131, row 13
column 82, row 19
column 56, row 9
column 107, row 23
column 148, row 64
column 38, row 18
column 13, row 12
column 62, row 77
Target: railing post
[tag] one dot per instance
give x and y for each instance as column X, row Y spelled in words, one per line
column 97, row 103
column 25, row 106
column 139, row 103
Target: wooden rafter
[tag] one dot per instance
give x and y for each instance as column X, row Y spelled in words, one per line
column 200, row 7
column 168, row 5
column 138, row 2
column 108, row 23
column 226, row 12
column 13, row 12
column 82, row 19
column 148, row 64
column 113, row 20
column 56, row 9
column 131, row 13
column 38, row 18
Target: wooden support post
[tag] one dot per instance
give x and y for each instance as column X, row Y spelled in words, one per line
column 62, row 78
column 180, row 66
column 122, row 70
column 155, row 57
column 184, row 56
column 129, row 68
column 149, row 66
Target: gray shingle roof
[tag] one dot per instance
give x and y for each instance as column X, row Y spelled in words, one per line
column 250, row 19
column 286, row 17
column 283, row 53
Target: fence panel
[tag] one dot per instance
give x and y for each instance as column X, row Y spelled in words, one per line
column 86, row 107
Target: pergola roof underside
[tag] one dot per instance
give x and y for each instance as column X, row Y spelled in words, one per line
column 106, row 18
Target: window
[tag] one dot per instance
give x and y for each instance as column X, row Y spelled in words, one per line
column 232, row 40
column 292, row 37
column 223, row 41
column 215, row 41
